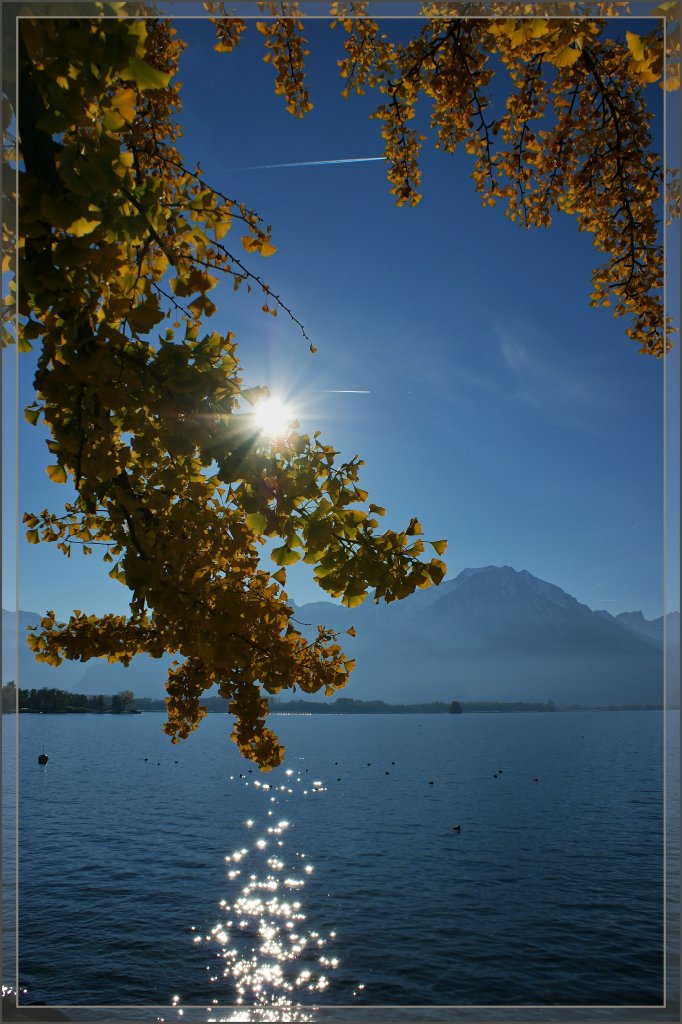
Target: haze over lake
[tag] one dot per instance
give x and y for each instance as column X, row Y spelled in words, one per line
column 492, row 633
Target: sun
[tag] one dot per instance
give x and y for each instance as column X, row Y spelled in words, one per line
column 274, row 417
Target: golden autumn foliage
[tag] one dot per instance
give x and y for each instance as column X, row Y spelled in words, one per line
column 574, row 136
column 121, row 244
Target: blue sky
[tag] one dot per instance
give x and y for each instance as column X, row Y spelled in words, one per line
column 503, row 411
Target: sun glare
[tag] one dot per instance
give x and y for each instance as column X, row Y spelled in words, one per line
column 274, row 417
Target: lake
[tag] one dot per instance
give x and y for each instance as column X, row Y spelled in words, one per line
column 153, row 875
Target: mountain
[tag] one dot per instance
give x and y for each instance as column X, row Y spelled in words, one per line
column 495, row 633
column 27, row 669
column 492, row 633
column 652, row 627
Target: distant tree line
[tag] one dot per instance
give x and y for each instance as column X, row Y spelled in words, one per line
column 49, row 699
column 346, row 705
column 125, row 702
column 479, row 706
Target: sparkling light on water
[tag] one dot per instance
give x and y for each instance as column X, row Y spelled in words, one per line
column 266, row 952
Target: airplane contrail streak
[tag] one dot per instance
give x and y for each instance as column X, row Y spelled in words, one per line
column 343, row 391
column 312, row 163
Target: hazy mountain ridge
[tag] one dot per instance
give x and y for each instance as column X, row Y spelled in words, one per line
column 495, row 633
column 491, row 633
column 652, row 627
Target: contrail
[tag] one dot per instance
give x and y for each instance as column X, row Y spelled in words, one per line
column 313, row 163
column 342, row 391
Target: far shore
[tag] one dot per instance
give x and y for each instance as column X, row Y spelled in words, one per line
column 47, row 701
column 310, row 708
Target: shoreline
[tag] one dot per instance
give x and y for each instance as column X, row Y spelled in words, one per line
column 407, row 710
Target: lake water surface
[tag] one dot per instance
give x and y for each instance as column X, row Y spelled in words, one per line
column 151, row 874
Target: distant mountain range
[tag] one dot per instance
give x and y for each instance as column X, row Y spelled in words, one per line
column 492, row 633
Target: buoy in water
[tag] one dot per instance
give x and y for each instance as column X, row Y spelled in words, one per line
column 43, row 759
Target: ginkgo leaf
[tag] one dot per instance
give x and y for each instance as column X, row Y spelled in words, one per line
column 564, row 56
column 439, row 546
column 83, row 226
column 284, row 556
column 257, row 522
column 250, row 243
column 56, row 474
column 635, row 45
column 113, row 121
column 123, row 101
column 144, row 75
column 354, row 594
column 436, row 570
column 145, row 316
column 253, row 395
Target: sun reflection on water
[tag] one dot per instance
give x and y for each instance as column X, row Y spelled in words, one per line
column 265, row 956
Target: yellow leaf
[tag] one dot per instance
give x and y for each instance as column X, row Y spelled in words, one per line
column 284, row 556
column 538, row 27
column 355, row 594
column 56, row 474
column 144, row 75
column 113, row 121
column 564, row 57
column 123, row 101
column 635, row 45
column 257, row 522
column 351, row 631
column 267, row 249
column 83, row 226
column 436, row 570
column 439, row 546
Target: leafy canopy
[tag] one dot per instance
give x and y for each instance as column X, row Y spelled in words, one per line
column 149, row 418
column 121, row 244
column 574, row 136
